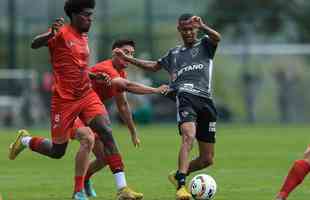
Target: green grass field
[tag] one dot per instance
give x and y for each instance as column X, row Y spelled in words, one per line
column 250, row 164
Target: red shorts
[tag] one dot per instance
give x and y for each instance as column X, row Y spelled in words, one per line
column 79, row 124
column 64, row 112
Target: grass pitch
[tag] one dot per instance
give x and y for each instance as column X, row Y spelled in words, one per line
column 250, row 164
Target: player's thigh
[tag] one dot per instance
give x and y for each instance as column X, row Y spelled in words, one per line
column 206, row 131
column 63, row 115
column 85, row 134
column 186, row 115
column 91, row 107
column 206, row 122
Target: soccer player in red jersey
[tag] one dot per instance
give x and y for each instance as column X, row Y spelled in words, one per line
column 115, row 69
column 72, row 96
column 295, row 176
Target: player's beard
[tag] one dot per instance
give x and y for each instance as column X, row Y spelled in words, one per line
column 86, row 27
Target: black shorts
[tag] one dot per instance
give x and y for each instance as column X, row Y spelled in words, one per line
column 192, row 108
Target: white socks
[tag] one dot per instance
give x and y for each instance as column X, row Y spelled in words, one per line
column 120, row 180
column 26, row 140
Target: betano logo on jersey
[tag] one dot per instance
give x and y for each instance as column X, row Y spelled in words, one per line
column 190, row 68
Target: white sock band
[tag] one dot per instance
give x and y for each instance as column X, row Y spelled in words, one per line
column 120, row 180
column 26, row 140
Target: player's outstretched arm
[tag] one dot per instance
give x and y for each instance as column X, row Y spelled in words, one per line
column 137, row 88
column 215, row 37
column 144, row 64
column 126, row 115
column 41, row 40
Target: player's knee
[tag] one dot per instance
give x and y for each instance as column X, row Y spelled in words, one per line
column 86, row 138
column 90, row 141
column 188, row 138
column 87, row 143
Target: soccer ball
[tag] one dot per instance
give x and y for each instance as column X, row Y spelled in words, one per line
column 202, row 187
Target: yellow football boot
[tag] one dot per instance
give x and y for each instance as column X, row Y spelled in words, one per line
column 127, row 193
column 16, row 147
column 183, row 194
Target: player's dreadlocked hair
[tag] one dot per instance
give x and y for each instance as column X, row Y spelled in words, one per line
column 185, row 16
column 76, row 6
column 123, row 42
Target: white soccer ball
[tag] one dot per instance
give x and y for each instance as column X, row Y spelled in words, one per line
column 202, row 187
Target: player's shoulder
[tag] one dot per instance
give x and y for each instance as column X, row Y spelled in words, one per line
column 174, row 50
column 105, row 66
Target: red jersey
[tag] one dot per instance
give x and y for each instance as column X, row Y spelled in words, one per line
column 104, row 92
column 69, row 54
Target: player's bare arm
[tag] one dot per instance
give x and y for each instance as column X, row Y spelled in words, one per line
column 126, row 115
column 42, row 39
column 137, row 88
column 144, row 64
column 197, row 22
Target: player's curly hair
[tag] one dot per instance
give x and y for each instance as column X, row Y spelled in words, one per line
column 76, row 6
column 122, row 42
column 185, row 16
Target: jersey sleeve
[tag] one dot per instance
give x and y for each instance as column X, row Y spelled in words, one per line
column 165, row 61
column 209, row 45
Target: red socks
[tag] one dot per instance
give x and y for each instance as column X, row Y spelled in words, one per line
column 295, row 176
column 35, row 143
column 115, row 162
column 88, row 175
column 78, row 183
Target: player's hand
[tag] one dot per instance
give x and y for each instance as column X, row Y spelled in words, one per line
column 119, row 53
column 59, row 22
column 103, row 78
column 135, row 140
column 197, row 22
column 163, row 89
